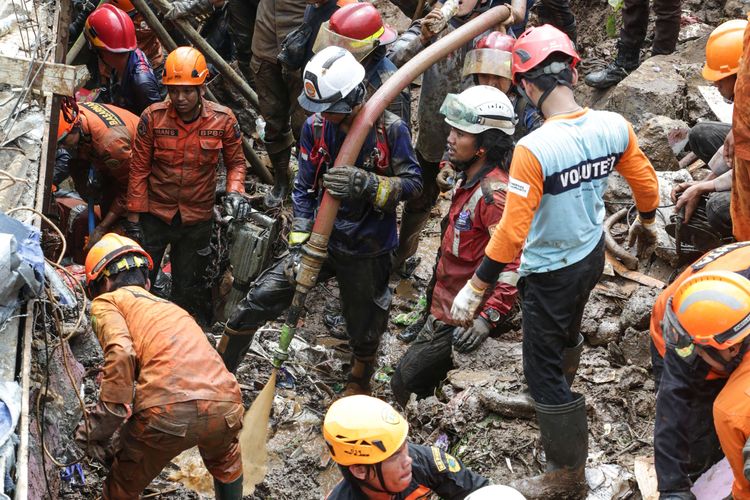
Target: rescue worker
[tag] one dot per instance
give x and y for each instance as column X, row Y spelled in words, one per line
column 99, row 136
column 359, row 28
column 480, row 146
column 737, row 147
column 685, row 441
column 173, row 175
column 131, row 83
column 146, row 38
column 554, row 211
column 176, row 405
column 723, row 52
column 633, row 34
column 385, row 173
column 367, row 438
column 438, row 80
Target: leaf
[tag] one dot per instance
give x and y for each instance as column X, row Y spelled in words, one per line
column 612, row 25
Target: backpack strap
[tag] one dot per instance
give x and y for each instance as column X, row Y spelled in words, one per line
column 319, row 156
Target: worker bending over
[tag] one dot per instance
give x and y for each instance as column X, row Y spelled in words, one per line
column 480, row 146
column 184, row 396
column 554, row 212
column 367, row 439
column 172, row 187
column 364, row 233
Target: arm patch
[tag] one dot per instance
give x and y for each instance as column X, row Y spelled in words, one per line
column 143, row 125
column 237, row 130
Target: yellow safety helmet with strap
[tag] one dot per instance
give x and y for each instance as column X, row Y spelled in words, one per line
column 112, row 254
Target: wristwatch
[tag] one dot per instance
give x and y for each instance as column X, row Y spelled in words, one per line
column 491, row 315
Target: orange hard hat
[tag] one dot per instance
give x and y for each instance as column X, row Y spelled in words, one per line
column 70, row 116
column 724, row 49
column 185, row 66
column 712, row 308
column 111, row 29
column 125, row 5
column 115, row 253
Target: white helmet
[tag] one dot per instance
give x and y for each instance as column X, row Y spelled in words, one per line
column 496, row 492
column 329, row 78
column 479, row 108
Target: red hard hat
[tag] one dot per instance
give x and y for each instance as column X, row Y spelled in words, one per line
column 536, row 44
column 496, row 41
column 111, row 29
column 361, row 21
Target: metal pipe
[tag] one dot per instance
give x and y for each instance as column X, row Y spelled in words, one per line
column 224, row 68
column 315, row 250
column 257, row 165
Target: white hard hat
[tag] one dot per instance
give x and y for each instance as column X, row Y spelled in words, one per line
column 479, row 108
column 496, row 492
column 330, row 76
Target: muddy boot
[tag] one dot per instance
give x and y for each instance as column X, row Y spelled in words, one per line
column 228, row 491
column 233, row 346
column 564, row 433
column 280, row 190
column 410, row 332
column 359, row 377
column 571, row 359
column 615, row 72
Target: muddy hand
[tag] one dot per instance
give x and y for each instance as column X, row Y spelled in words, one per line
column 643, row 234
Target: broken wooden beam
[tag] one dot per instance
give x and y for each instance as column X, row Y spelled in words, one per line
column 52, row 77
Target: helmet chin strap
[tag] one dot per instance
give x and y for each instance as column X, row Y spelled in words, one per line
column 379, row 472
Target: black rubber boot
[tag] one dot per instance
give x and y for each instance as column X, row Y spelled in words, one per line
column 615, row 72
column 410, row 332
column 571, row 359
column 233, row 346
column 564, row 431
column 280, row 190
column 228, row 491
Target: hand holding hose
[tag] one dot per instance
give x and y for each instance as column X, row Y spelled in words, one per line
column 642, row 234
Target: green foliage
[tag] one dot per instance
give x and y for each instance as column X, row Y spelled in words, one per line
column 612, row 18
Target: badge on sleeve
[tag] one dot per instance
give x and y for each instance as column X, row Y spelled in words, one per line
column 237, row 130
column 143, row 125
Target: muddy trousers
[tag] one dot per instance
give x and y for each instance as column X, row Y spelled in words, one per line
column 552, row 305
column 364, row 292
column 189, row 254
column 558, row 14
column 417, row 212
column 705, row 139
column 635, row 24
column 241, row 28
column 154, row 436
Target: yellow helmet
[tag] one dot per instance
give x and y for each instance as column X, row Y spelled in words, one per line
column 363, row 430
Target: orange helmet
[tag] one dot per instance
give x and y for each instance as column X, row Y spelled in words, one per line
column 70, row 116
column 112, row 254
column 363, row 430
column 724, row 49
column 709, row 309
column 125, row 5
column 111, row 29
column 185, row 66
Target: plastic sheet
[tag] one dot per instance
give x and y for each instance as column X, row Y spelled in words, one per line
column 21, row 264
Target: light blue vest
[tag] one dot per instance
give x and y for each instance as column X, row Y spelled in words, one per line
column 576, row 155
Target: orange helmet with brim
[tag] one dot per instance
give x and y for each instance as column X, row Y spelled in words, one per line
column 185, row 66
column 115, row 253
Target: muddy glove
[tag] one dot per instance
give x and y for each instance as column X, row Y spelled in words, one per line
column 468, row 339
column 446, row 178
column 676, row 495
column 298, row 236
column 189, row 8
column 236, row 205
column 350, row 183
column 643, row 233
column 104, row 419
column 133, row 230
column 466, row 303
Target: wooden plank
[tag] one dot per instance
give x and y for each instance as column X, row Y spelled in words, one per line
column 641, row 278
column 53, row 78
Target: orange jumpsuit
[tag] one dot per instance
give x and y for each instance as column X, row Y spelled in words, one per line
column 147, row 40
column 183, row 397
column 740, row 202
column 106, row 143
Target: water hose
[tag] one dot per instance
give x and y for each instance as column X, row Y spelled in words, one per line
column 630, row 260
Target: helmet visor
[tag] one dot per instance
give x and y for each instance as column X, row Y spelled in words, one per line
column 460, row 115
column 359, row 48
column 488, row 62
column 676, row 337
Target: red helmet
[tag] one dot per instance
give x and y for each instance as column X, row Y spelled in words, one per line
column 496, row 41
column 111, row 29
column 361, row 21
column 536, row 44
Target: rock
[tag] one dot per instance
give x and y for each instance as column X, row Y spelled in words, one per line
column 508, row 405
column 693, row 31
column 599, row 325
column 655, row 85
column 736, row 9
column 635, row 347
column 631, row 377
column 661, row 138
column 636, row 312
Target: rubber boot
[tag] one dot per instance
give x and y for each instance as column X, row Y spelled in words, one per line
column 233, row 346
column 564, row 431
column 627, row 60
column 359, row 376
column 412, row 224
column 228, row 491
column 571, row 359
column 280, row 190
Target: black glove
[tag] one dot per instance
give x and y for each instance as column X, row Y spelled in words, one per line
column 468, row 339
column 133, row 230
column 676, row 495
column 349, row 183
column 189, row 8
column 236, row 205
